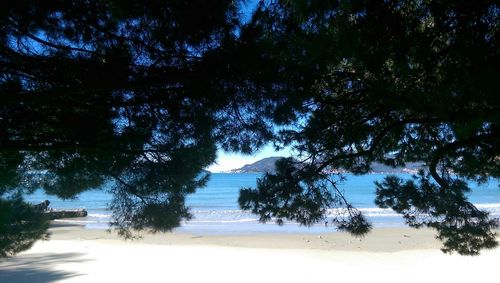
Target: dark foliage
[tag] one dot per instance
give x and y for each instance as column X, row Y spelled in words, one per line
column 288, row 194
column 140, row 95
column 112, row 92
column 389, row 82
column 460, row 225
column 300, row 195
column 21, row 225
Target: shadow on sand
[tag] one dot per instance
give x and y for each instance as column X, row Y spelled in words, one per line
column 37, row 268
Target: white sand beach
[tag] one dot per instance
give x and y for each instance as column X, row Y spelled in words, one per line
column 76, row 254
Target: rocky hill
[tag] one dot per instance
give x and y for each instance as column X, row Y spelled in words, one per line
column 267, row 165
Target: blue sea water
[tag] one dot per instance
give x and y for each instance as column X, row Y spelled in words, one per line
column 216, row 210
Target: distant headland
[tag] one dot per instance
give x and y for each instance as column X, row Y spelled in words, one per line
column 267, row 165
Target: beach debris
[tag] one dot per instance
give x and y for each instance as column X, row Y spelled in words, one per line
column 56, row 214
column 43, row 206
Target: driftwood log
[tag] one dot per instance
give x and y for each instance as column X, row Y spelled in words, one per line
column 56, row 214
column 43, row 206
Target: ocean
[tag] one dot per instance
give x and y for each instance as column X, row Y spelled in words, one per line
column 216, row 211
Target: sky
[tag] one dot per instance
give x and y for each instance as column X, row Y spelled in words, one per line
column 227, row 161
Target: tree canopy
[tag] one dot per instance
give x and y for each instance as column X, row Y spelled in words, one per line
column 391, row 82
column 141, row 94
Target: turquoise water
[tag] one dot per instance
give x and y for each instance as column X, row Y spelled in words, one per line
column 216, row 210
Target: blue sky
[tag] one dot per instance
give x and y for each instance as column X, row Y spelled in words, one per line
column 247, row 7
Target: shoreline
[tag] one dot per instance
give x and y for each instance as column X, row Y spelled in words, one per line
column 378, row 240
column 76, row 254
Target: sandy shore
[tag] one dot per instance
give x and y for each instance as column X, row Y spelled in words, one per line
column 75, row 254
